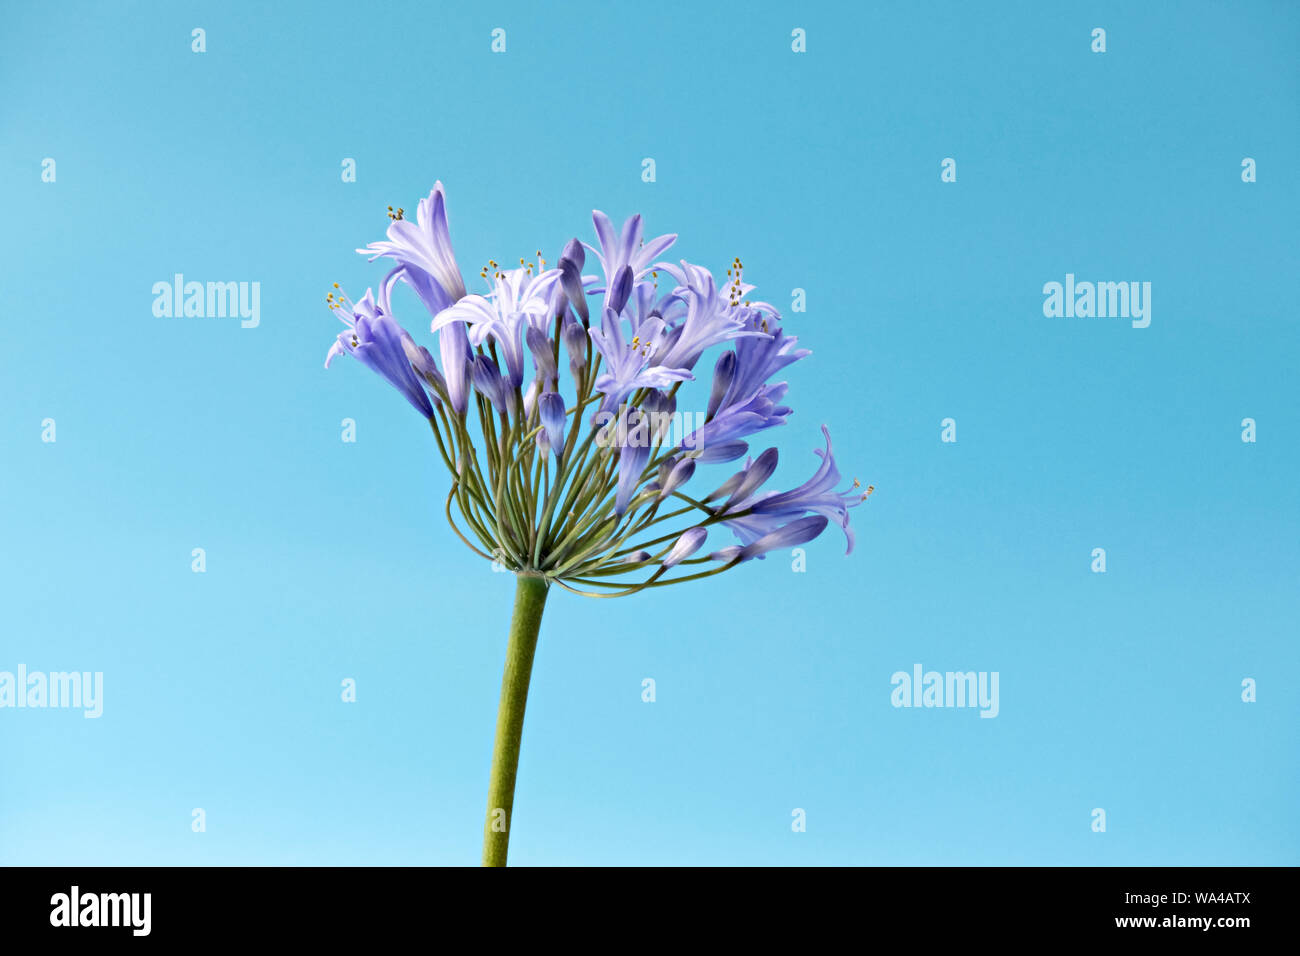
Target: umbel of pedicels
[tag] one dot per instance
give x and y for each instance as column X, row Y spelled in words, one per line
column 552, row 398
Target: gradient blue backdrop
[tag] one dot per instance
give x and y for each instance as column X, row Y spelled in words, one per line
column 328, row 560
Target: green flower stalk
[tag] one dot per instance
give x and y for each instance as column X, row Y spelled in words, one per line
column 580, row 480
column 530, row 599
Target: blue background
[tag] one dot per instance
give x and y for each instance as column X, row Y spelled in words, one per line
column 328, row 560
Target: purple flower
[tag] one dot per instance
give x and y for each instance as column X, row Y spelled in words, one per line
column 539, row 344
column 377, row 342
column 427, row 264
column 490, row 383
column 724, row 373
column 752, row 478
column 757, row 358
column 659, row 408
column 674, row 474
column 571, row 283
column 738, row 421
column 725, row 451
column 646, row 303
column 632, row 458
column 621, row 289
column 797, row 532
column 424, row 248
column 686, row 545
column 550, row 409
column 424, row 366
column 575, row 343
column 728, row 487
column 453, row 346
column 627, row 364
column 816, row 495
column 709, row 319
column 625, row 249
column 519, row 298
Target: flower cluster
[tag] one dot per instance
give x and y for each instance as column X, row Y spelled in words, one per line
column 575, row 476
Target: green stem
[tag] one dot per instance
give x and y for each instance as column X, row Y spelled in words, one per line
column 530, row 599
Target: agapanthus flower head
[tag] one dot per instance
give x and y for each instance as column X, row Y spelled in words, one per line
column 554, row 400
